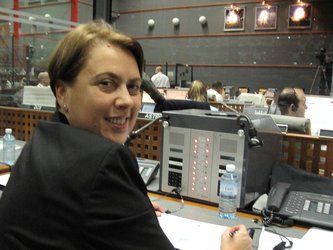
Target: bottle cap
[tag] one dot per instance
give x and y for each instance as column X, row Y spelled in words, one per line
column 230, row 167
column 8, row 130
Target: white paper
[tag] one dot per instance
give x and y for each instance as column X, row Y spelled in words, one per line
column 4, row 179
column 316, row 238
column 16, row 146
column 268, row 240
column 187, row 234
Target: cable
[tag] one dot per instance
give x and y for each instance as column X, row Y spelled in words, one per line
column 176, row 190
column 284, row 239
column 269, row 218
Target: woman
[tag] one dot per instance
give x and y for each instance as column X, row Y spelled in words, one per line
column 197, row 92
column 75, row 185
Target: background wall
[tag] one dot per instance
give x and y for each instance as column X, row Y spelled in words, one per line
column 269, row 58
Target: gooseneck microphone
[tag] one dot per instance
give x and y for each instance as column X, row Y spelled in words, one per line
column 254, row 141
column 134, row 134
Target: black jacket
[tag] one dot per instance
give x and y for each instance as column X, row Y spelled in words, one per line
column 72, row 189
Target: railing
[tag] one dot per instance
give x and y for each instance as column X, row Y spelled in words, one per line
column 22, row 121
column 313, row 154
column 239, row 107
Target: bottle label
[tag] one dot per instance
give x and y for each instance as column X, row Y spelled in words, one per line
column 228, row 190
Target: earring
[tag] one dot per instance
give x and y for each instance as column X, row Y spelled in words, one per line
column 65, row 108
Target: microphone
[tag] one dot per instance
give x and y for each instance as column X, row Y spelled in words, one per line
column 134, row 134
column 254, row 141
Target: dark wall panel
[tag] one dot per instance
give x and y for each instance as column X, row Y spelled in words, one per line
column 270, row 58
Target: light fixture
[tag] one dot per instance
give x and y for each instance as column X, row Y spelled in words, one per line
column 151, row 23
column 202, row 20
column 47, row 15
column 175, row 21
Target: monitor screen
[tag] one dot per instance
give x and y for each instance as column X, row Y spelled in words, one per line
column 148, row 107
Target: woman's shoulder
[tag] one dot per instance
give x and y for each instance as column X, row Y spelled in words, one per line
column 55, row 134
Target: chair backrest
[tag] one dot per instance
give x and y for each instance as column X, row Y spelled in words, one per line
column 180, row 104
column 295, row 124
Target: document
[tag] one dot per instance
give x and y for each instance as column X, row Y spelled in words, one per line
column 268, row 240
column 317, row 238
column 186, row 234
column 4, row 179
column 16, row 146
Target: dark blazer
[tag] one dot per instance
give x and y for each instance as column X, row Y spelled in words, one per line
column 72, row 189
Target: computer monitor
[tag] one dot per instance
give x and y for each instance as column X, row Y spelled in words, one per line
column 250, row 98
column 148, row 107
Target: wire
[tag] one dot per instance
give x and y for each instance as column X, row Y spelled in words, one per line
column 273, row 219
column 282, row 244
column 177, row 191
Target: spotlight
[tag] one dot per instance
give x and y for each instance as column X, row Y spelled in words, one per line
column 151, row 23
column 176, row 21
column 202, row 20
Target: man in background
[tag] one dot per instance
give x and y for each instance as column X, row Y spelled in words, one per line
column 215, row 92
column 159, row 79
column 291, row 102
column 43, row 79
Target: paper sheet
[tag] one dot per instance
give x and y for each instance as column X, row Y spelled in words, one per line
column 4, row 179
column 268, row 240
column 16, row 146
column 186, row 234
column 317, row 238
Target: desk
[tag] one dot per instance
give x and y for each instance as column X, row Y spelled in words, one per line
column 209, row 214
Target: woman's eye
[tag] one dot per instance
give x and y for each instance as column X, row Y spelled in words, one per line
column 133, row 89
column 107, row 83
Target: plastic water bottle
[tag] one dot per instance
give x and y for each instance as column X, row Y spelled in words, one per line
column 9, row 147
column 228, row 193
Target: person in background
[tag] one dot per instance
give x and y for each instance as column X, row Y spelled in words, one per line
column 159, row 79
column 197, row 91
column 75, row 184
column 292, row 102
column 215, row 93
column 43, row 80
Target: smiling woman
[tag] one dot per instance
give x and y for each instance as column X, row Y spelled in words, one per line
column 86, row 183
column 80, row 187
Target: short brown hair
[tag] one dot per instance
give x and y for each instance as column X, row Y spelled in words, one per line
column 70, row 55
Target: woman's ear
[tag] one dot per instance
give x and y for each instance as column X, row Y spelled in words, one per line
column 61, row 90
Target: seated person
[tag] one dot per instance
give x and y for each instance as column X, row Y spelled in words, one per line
column 75, row 185
column 215, row 92
column 197, row 91
column 163, row 104
column 291, row 102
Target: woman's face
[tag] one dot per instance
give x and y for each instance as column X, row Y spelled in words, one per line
column 105, row 97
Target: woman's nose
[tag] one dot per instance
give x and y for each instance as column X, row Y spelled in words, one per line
column 124, row 98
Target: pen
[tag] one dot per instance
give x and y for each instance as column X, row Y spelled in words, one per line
column 232, row 233
column 250, row 231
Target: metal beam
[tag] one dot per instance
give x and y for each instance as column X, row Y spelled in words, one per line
column 102, row 9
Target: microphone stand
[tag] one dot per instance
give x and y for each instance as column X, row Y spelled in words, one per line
column 134, row 134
